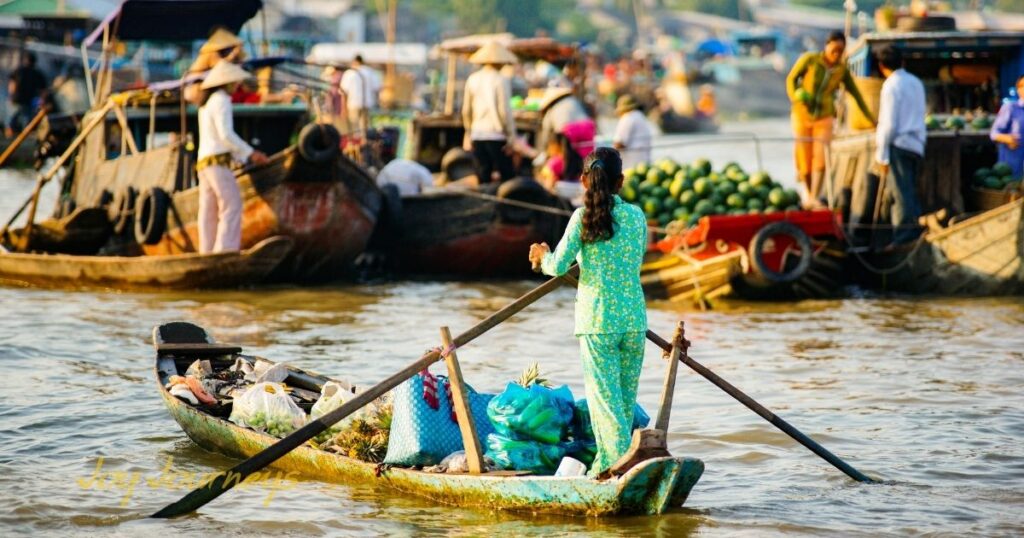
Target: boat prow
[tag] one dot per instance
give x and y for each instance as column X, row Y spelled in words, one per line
column 653, row 486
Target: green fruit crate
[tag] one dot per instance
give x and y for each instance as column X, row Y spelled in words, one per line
column 982, row 199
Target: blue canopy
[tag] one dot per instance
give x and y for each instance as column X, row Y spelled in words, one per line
column 714, row 47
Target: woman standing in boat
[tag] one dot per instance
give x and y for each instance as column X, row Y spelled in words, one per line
column 220, row 202
column 608, row 237
column 1008, row 130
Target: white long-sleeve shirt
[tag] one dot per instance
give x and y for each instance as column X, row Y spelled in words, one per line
column 361, row 85
column 486, row 109
column 217, row 129
column 901, row 113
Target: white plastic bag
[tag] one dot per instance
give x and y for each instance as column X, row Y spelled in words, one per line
column 267, row 372
column 330, row 399
column 267, row 407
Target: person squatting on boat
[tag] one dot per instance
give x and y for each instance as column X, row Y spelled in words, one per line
column 1008, row 130
column 609, row 238
column 220, row 202
column 487, row 113
column 900, row 140
column 812, row 85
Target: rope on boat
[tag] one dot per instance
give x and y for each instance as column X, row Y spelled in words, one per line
column 528, row 205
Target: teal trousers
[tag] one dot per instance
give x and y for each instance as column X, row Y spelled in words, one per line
column 611, row 371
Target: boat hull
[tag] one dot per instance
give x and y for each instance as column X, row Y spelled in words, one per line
column 465, row 237
column 651, row 487
column 329, row 212
column 182, row 271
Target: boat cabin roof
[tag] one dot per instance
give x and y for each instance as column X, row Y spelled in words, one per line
column 174, row 20
column 527, row 49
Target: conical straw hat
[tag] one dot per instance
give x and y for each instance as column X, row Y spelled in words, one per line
column 224, row 73
column 493, row 53
column 220, row 40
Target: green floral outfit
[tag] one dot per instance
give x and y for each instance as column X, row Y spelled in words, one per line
column 611, row 321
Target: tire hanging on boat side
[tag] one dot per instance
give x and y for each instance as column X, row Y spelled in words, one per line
column 319, row 142
column 760, row 241
column 521, row 190
column 151, row 216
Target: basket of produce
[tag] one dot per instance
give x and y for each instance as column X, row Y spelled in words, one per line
column 993, row 187
column 668, row 191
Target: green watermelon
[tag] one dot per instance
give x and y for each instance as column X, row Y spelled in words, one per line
column 655, row 175
column 703, row 165
column 680, row 213
column 703, row 207
column 694, row 173
column 1002, row 170
column 763, row 192
column 993, row 182
column 736, row 201
column 677, row 187
column 792, row 197
column 931, row 123
column 745, row 189
column 702, row 186
column 717, row 198
column 792, row 207
column 754, row 203
column 670, row 204
column 652, row 206
column 777, row 197
column 628, row 193
column 659, row 192
column 720, row 209
column 773, row 209
column 982, row 122
column 641, row 169
column 664, row 219
column 760, row 179
column 688, row 198
column 726, row 188
column 955, row 123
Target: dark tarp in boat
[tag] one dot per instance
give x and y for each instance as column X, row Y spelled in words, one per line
column 175, row 20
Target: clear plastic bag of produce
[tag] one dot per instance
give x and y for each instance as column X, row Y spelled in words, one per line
column 331, row 398
column 536, row 413
column 525, row 455
column 266, row 407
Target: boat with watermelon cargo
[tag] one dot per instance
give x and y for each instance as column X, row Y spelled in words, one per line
column 972, row 234
column 651, row 485
column 134, row 161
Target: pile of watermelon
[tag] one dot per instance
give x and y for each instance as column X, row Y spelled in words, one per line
column 999, row 177
column 978, row 122
column 669, row 191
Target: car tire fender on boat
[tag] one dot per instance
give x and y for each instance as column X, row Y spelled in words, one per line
column 524, row 190
column 122, row 209
column 760, row 241
column 151, row 216
column 319, row 142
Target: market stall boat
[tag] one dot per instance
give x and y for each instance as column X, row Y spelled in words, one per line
column 971, row 242
column 653, row 486
column 172, row 272
column 138, row 162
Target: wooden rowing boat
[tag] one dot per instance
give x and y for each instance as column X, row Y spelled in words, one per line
column 651, row 487
column 178, row 271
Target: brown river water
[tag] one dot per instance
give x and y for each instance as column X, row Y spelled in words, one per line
column 922, row 393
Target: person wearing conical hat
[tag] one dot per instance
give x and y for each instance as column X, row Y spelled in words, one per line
column 634, row 133
column 220, row 202
column 221, row 45
column 487, row 113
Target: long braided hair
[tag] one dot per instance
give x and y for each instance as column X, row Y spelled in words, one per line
column 603, row 172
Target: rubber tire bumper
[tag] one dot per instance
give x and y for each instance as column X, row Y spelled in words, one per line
column 319, row 142
column 151, row 216
column 757, row 245
column 521, row 190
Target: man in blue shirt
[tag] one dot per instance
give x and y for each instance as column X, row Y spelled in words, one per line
column 1008, row 130
column 899, row 142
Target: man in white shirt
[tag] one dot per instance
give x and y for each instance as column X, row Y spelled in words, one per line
column 634, row 134
column 410, row 177
column 359, row 85
column 487, row 113
column 900, row 139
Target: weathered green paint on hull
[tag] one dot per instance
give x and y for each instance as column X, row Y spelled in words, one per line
column 651, row 487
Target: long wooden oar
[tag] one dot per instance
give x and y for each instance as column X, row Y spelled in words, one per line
column 753, row 405
column 225, row 481
column 16, row 143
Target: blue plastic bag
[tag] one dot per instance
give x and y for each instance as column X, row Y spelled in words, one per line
column 536, row 413
column 422, row 435
column 525, row 455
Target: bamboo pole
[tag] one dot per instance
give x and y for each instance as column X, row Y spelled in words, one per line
column 23, row 135
column 463, row 412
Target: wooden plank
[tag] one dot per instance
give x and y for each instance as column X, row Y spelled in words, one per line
column 669, row 388
column 646, row 444
column 460, row 401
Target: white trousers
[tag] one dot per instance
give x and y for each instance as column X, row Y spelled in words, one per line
column 220, row 210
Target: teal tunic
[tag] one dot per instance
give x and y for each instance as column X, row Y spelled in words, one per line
column 611, row 319
column 609, row 299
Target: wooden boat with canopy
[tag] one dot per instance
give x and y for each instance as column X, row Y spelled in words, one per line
column 651, row 486
column 134, row 160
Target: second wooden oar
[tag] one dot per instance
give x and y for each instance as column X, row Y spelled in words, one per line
column 227, row 480
column 753, row 405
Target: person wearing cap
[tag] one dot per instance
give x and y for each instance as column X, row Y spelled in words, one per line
column 220, row 202
column 634, row 134
column 560, row 109
column 487, row 113
column 359, row 86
